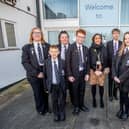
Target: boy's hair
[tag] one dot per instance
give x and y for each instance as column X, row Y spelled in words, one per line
column 115, row 29
column 82, row 31
column 53, row 47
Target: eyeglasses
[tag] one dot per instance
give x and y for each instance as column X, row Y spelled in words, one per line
column 36, row 33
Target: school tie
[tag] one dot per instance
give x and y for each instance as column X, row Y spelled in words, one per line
column 65, row 50
column 115, row 48
column 80, row 57
column 40, row 54
column 56, row 73
column 126, row 50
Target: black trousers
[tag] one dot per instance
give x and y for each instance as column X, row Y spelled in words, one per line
column 40, row 96
column 112, row 89
column 69, row 88
column 58, row 100
column 78, row 90
column 124, row 101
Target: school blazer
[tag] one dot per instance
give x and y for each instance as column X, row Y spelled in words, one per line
column 29, row 59
column 120, row 68
column 48, row 73
column 110, row 51
column 72, row 61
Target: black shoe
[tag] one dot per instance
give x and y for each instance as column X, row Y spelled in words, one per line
column 76, row 111
column 56, row 118
column 84, row 109
column 42, row 113
column 101, row 104
column 124, row 116
column 110, row 99
column 94, row 104
column 119, row 114
column 62, row 117
column 115, row 97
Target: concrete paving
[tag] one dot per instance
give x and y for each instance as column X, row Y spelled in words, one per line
column 18, row 112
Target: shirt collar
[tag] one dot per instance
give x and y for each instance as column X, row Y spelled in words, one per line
column 114, row 41
column 62, row 45
column 56, row 60
column 78, row 45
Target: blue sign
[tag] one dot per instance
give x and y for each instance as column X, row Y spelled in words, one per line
column 99, row 12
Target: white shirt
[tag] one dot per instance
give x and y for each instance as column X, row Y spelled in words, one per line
column 36, row 51
column 63, row 51
column 54, row 81
column 81, row 48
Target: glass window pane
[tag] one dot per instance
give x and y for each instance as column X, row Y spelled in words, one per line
column 10, row 34
column 105, row 31
column 1, row 37
column 124, row 11
column 57, row 9
column 53, row 36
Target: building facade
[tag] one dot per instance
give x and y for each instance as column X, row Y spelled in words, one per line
column 92, row 15
column 16, row 20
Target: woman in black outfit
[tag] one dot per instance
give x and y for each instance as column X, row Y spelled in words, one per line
column 121, row 76
column 98, row 67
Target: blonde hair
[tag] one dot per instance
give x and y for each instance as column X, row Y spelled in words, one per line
column 121, row 50
column 31, row 33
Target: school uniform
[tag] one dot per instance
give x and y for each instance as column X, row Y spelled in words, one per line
column 112, row 48
column 54, row 72
column 33, row 56
column 97, row 54
column 63, row 52
column 121, row 70
column 77, row 62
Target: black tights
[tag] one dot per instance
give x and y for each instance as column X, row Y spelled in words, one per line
column 101, row 92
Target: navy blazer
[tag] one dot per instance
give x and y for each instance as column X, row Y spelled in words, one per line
column 110, row 51
column 48, row 73
column 72, row 60
column 29, row 59
column 120, row 68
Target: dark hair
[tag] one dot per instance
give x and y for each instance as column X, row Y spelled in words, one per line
column 115, row 29
column 82, row 31
column 97, row 34
column 62, row 32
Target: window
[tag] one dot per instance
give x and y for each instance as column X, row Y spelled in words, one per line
column 124, row 12
column 60, row 9
column 53, row 36
column 1, row 37
column 10, row 34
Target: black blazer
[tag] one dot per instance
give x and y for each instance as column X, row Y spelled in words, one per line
column 48, row 73
column 110, row 51
column 120, row 68
column 29, row 59
column 72, row 61
column 93, row 57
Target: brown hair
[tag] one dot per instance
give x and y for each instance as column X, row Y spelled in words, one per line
column 115, row 29
column 82, row 31
column 62, row 32
column 121, row 50
column 53, row 47
column 31, row 33
column 97, row 34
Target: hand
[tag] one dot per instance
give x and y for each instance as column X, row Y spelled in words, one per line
column 98, row 73
column 86, row 77
column 40, row 75
column 116, row 79
column 71, row 78
column 106, row 71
